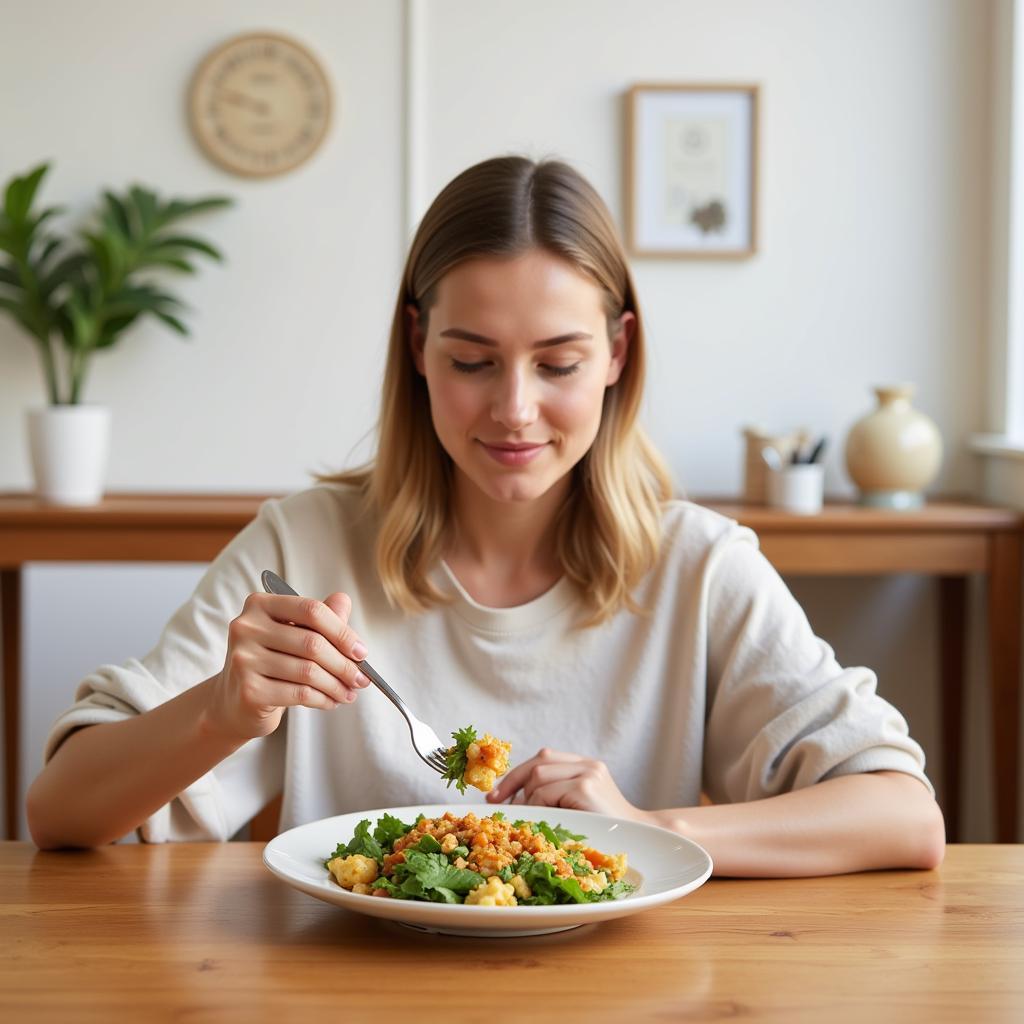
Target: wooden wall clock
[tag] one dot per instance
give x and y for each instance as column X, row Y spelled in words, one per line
column 259, row 104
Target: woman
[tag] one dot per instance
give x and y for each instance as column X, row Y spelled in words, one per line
column 513, row 558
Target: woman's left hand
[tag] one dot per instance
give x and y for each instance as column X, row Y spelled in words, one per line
column 555, row 779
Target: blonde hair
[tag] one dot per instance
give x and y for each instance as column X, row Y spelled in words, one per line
column 609, row 530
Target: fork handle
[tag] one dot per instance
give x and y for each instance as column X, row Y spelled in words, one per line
column 368, row 670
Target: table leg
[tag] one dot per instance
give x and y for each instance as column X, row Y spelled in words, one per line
column 952, row 646
column 10, row 638
column 1004, row 614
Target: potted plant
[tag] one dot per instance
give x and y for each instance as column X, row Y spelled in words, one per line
column 74, row 296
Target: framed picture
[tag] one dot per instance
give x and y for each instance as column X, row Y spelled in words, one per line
column 691, row 171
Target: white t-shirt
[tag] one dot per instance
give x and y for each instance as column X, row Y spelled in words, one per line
column 723, row 686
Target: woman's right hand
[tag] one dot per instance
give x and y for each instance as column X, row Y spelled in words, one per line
column 285, row 651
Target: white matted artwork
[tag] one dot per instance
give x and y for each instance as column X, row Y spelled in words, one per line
column 691, row 170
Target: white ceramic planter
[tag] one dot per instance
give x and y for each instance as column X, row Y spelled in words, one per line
column 69, row 446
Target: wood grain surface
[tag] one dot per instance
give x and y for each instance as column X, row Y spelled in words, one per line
column 204, row 932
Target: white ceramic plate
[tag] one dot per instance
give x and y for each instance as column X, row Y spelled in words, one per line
column 663, row 866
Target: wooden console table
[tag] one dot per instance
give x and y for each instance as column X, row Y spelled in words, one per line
column 947, row 539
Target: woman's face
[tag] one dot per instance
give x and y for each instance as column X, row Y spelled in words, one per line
column 517, row 357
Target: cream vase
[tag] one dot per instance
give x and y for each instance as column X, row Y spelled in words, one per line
column 894, row 452
column 69, row 446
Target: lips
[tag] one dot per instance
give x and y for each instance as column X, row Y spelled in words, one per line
column 517, row 453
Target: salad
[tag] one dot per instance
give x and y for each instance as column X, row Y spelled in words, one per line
column 486, row 861
column 475, row 762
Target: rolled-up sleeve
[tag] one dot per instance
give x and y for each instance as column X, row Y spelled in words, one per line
column 782, row 712
column 191, row 648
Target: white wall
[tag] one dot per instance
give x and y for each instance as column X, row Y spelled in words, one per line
column 875, row 170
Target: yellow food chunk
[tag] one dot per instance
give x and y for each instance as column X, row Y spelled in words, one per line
column 492, row 893
column 486, row 760
column 353, row 870
column 520, row 888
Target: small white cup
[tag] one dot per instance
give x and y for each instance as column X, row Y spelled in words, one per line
column 797, row 488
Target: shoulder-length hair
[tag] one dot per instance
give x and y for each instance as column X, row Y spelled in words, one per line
column 609, row 530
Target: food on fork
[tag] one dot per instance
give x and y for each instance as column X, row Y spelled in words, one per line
column 476, row 762
column 486, row 862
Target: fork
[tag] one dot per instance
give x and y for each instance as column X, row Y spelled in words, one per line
column 424, row 740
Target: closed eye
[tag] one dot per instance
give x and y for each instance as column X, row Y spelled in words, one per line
column 462, row 367
column 561, row 371
column 555, row 371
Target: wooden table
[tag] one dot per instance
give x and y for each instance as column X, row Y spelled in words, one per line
column 948, row 539
column 204, row 932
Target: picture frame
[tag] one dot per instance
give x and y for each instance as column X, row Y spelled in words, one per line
column 690, row 178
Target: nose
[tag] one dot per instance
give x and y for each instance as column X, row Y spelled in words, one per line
column 514, row 405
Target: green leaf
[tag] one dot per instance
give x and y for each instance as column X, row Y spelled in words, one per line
column 21, row 192
column 456, row 760
column 394, row 890
column 556, row 834
column 175, row 242
column 146, row 206
column 176, row 209
column 612, row 891
column 548, row 888
column 428, row 844
column 45, row 215
column 362, row 843
column 167, row 261
column 439, row 894
column 432, row 870
column 389, row 829
column 66, row 270
column 117, row 214
column 49, row 248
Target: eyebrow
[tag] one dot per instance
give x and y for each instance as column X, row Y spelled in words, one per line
column 458, row 332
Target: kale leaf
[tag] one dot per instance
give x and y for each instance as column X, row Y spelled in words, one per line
column 456, row 760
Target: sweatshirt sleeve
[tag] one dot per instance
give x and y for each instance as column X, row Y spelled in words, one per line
column 192, row 648
column 782, row 713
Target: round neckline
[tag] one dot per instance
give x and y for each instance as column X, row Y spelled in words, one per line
column 507, row 620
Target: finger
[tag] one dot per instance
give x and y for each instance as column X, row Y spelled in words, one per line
column 560, row 794
column 283, row 693
column 340, row 604
column 315, row 615
column 545, row 775
column 514, row 779
column 288, row 669
column 311, row 645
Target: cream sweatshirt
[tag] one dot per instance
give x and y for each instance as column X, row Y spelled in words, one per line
column 721, row 686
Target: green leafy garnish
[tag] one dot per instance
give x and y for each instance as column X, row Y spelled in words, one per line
column 556, row 834
column 456, row 759
column 389, row 829
column 548, row 888
column 429, row 876
column 362, row 843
